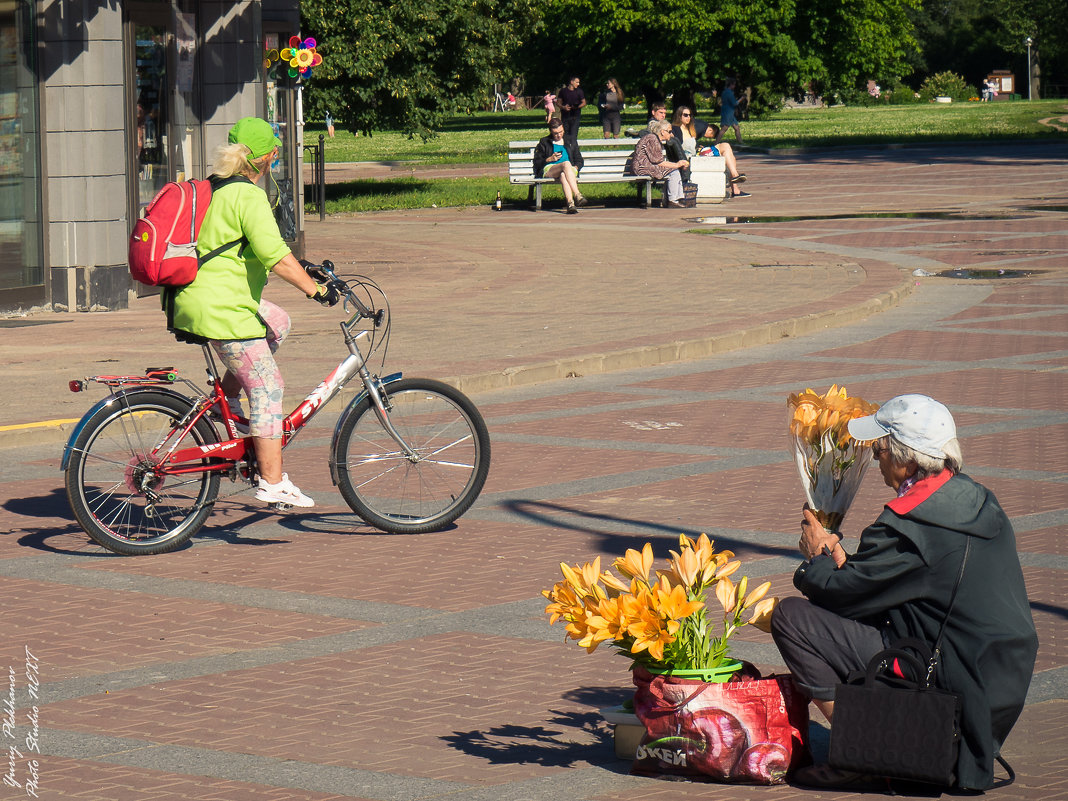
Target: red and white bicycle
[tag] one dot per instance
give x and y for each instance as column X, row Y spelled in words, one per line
column 143, row 466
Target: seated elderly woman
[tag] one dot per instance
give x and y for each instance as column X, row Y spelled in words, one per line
column 900, row 583
column 648, row 159
column 687, row 129
column 557, row 156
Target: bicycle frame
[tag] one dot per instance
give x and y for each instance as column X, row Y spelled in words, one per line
column 229, row 453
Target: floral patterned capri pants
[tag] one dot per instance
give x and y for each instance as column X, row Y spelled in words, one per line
column 251, row 361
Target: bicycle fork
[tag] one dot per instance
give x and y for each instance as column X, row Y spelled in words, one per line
column 382, row 413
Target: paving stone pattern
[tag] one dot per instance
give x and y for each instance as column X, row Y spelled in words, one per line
column 308, row 657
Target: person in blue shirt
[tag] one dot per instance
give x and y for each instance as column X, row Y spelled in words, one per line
column 728, row 104
column 557, row 156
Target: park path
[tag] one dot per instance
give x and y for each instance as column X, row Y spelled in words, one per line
column 308, row 658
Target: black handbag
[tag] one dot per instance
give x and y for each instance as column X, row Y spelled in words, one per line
column 893, row 723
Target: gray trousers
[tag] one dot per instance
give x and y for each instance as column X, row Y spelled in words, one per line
column 673, row 186
column 821, row 648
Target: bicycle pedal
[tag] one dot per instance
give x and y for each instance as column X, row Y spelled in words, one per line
column 280, row 507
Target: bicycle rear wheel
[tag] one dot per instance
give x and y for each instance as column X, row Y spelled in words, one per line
column 406, row 495
column 117, row 497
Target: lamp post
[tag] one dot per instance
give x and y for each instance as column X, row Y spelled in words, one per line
column 1027, row 42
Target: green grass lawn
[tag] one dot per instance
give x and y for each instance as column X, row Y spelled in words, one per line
column 416, row 193
column 484, row 137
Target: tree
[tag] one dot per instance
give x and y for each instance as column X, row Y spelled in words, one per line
column 846, row 43
column 775, row 48
column 1045, row 21
column 973, row 37
column 410, row 64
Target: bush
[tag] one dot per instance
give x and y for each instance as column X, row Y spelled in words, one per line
column 901, row 94
column 897, row 94
column 946, row 84
column 855, row 96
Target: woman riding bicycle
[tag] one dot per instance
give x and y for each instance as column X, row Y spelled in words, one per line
column 224, row 305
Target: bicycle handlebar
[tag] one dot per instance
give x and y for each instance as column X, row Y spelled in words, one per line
column 327, row 270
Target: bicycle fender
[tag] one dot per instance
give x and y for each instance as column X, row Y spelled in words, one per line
column 108, row 401
column 389, row 379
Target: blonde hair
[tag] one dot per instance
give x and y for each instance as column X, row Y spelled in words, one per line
column 233, row 159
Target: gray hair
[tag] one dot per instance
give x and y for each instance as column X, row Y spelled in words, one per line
column 927, row 465
column 656, row 126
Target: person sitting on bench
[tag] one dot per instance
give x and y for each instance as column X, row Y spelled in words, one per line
column 687, row 129
column 558, row 157
column 648, row 159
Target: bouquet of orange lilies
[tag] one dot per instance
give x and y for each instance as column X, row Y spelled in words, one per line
column 661, row 621
column 831, row 462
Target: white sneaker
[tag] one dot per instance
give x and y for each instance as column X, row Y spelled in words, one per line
column 285, row 491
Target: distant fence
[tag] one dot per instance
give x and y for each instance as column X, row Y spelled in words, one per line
column 318, row 153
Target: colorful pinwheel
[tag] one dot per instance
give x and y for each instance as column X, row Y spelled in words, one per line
column 300, row 57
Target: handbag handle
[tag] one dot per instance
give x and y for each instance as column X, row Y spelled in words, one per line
column 909, row 663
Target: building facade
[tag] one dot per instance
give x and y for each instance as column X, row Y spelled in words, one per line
column 104, row 101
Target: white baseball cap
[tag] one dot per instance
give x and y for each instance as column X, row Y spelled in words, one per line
column 920, row 422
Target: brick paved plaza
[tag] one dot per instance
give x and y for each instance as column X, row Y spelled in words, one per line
column 308, row 657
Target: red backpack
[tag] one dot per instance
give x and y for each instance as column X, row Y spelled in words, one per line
column 163, row 245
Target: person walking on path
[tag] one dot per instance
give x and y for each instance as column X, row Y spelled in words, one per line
column 727, row 119
column 550, row 105
column 572, row 101
column 610, row 107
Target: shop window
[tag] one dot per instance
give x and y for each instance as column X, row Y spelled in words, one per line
column 152, row 110
column 21, row 263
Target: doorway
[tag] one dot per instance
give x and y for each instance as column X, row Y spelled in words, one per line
column 151, row 84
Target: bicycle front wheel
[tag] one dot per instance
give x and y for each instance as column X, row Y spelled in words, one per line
column 113, row 488
column 420, row 493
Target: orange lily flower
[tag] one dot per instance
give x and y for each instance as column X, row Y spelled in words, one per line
column 725, row 594
column 636, row 564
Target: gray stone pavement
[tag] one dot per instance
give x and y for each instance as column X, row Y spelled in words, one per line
column 499, row 299
column 309, row 657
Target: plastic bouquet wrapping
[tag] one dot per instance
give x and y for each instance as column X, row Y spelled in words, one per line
column 660, row 620
column 831, row 462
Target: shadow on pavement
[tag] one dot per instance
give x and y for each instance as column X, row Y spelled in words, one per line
column 579, row 520
column 559, row 746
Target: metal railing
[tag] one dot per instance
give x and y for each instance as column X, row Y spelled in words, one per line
column 318, row 175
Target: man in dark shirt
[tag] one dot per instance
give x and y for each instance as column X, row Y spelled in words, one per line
column 572, row 99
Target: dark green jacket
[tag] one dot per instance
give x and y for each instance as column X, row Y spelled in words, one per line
column 900, row 581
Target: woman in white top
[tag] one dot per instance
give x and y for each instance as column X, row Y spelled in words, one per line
column 687, row 129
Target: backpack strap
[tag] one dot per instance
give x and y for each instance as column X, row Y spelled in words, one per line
column 211, row 254
column 218, row 183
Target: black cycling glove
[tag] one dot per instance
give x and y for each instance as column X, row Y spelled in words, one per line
column 314, row 271
column 326, row 294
